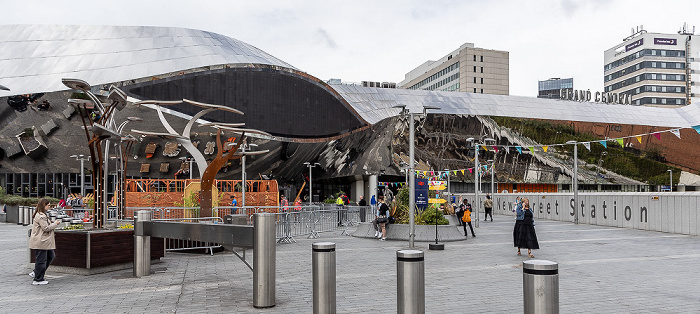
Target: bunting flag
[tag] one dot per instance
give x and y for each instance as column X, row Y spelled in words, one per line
column 587, row 145
column 432, row 173
column 532, row 149
column 462, row 171
column 470, row 170
column 604, row 143
column 485, row 148
column 657, row 135
column 697, row 128
column 495, row 148
column 455, row 172
column 486, row 168
column 520, row 149
column 621, row 141
column 676, row 132
column 544, row 148
column 639, row 138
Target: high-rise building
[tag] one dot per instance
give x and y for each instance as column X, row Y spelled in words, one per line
column 654, row 68
column 467, row 69
column 551, row 88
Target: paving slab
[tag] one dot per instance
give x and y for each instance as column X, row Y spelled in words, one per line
column 601, row 269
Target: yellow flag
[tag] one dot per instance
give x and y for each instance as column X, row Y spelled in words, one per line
column 639, row 138
column 462, row 171
column 544, row 148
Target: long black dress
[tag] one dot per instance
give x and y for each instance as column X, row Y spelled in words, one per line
column 524, row 233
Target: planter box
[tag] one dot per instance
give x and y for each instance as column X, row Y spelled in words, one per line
column 12, row 213
column 98, row 250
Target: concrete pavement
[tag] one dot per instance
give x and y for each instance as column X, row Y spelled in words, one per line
column 601, row 269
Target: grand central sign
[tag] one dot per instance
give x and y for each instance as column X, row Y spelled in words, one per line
column 586, row 95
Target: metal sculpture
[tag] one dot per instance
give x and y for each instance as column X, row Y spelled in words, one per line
column 100, row 129
column 207, row 172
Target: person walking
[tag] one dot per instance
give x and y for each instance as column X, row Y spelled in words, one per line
column 524, row 232
column 234, row 204
column 42, row 241
column 488, row 207
column 467, row 218
column 383, row 217
column 373, row 203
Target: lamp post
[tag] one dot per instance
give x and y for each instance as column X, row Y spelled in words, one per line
column 448, row 184
column 82, row 160
column 491, row 161
column 574, row 180
column 311, row 190
column 670, row 179
column 243, row 174
column 411, row 167
column 477, row 183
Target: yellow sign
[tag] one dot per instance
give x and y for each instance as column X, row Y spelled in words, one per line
column 436, row 201
column 437, row 187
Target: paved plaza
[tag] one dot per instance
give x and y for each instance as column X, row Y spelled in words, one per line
column 601, row 270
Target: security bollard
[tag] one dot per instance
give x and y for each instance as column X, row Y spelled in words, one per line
column 323, row 261
column 264, row 259
column 410, row 286
column 142, row 245
column 20, row 215
column 540, row 286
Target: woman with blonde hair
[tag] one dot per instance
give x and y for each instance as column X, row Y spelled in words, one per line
column 42, row 241
column 524, row 234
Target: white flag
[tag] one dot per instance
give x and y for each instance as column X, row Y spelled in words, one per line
column 588, row 145
column 676, row 132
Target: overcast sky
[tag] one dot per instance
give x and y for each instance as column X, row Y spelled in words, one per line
column 383, row 40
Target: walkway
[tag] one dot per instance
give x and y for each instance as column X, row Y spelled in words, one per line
column 602, row 270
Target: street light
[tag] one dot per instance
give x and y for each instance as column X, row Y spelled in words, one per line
column 600, row 161
column 82, row 160
column 311, row 190
column 411, row 168
column 492, row 162
column 670, row 179
column 477, row 184
column 574, row 180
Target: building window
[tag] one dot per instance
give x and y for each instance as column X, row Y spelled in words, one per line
column 475, row 80
column 482, row 69
column 482, row 58
column 482, row 90
column 482, row 80
column 474, row 69
column 475, row 89
column 474, row 57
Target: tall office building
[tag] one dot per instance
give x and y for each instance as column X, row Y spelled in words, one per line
column 467, row 69
column 656, row 69
column 551, row 88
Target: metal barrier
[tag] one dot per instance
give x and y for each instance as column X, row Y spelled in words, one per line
column 260, row 238
column 540, row 287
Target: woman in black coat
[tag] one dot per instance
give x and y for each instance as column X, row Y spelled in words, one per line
column 524, row 233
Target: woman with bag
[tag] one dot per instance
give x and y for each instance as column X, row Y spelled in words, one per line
column 383, row 217
column 467, row 218
column 42, row 241
column 524, row 234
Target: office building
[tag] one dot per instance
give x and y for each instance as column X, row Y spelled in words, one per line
column 655, row 69
column 551, row 88
column 467, row 69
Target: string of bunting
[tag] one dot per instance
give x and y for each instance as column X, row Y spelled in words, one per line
column 544, row 148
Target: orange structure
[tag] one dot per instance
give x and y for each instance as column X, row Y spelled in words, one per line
column 171, row 192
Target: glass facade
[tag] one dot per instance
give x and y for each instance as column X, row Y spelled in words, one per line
column 552, row 88
column 430, row 83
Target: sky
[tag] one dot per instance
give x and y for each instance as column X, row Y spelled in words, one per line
column 383, row 40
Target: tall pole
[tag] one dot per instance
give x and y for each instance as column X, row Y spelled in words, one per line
column 82, row 176
column 574, row 182
column 191, row 160
column 448, row 185
column 493, row 169
column 311, row 189
column 670, row 180
column 105, row 176
column 475, row 205
column 412, row 182
column 243, row 176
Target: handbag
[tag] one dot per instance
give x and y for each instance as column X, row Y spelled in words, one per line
column 382, row 219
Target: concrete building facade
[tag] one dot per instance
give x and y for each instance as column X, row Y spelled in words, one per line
column 467, row 69
column 655, row 69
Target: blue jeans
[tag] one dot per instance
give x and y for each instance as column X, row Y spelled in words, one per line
column 43, row 261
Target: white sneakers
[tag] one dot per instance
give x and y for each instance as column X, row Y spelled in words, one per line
column 377, row 234
column 31, row 274
column 382, row 239
column 36, row 283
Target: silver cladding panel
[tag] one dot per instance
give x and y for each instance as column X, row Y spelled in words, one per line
column 376, row 104
column 238, row 236
column 34, row 58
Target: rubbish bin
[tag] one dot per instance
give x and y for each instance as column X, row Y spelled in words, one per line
column 540, row 286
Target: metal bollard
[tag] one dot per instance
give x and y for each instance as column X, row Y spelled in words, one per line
column 323, row 272
column 142, row 245
column 410, row 286
column 540, row 286
column 28, row 215
column 20, row 215
column 264, row 260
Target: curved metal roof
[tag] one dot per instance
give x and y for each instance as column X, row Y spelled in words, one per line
column 34, row 58
column 376, row 104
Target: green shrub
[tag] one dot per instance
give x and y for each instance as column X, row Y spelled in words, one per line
column 430, row 215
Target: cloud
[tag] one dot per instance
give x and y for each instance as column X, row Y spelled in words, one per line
column 570, row 7
column 325, row 38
